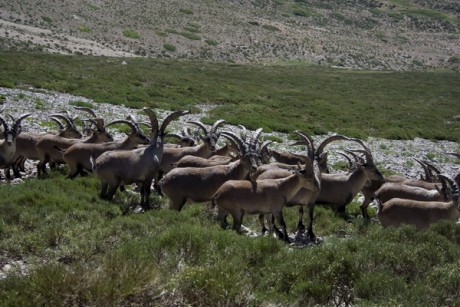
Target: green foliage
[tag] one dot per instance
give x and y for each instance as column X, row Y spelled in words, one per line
column 39, row 103
column 211, row 42
column 282, row 97
column 186, row 11
column 454, row 59
column 47, row 19
column 80, row 250
column 270, row 28
column 83, row 28
column 169, row 47
column 191, row 36
column 79, row 103
column 131, row 34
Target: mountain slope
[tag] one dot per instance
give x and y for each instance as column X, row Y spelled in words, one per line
column 364, row 34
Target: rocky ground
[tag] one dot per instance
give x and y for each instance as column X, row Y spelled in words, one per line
column 395, row 156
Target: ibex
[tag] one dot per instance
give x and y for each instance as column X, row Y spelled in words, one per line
column 185, row 138
column 8, row 144
column 50, row 147
column 204, row 150
column 373, row 185
column 200, row 184
column 238, row 197
column 26, row 142
column 223, row 156
column 140, row 166
column 77, row 156
column 305, row 196
column 421, row 214
column 338, row 190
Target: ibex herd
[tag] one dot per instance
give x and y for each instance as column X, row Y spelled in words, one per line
column 238, row 178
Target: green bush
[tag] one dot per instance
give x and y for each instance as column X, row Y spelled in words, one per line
column 131, row 34
column 211, row 42
column 47, row 19
column 169, row 47
column 191, row 36
column 270, row 28
column 83, row 28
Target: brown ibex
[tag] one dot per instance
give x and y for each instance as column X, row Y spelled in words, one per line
column 421, row 214
column 140, row 166
column 8, row 144
column 77, row 156
column 200, row 184
column 269, row 196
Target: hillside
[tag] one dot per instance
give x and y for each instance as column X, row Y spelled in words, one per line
column 359, row 34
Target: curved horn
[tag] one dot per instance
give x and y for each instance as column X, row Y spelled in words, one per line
column 153, row 119
column 3, row 122
column 243, row 132
column 134, row 126
column 17, row 122
column 56, row 120
column 87, row 110
column 328, row 140
column 254, row 139
column 452, row 183
column 201, row 125
column 369, row 158
column 432, row 167
column 2, row 109
column 265, row 145
column 355, row 156
column 216, row 125
column 350, row 163
column 428, row 175
column 170, row 118
column 68, row 120
column 308, row 141
column 240, row 143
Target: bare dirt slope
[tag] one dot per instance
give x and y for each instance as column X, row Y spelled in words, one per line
column 365, row 34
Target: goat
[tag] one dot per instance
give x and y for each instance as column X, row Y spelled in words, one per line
column 50, row 147
column 237, row 197
column 185, row 138
column 421, row 214
column 200, row 184
column 25, row 144
column 77, row 156
column 338, row 190
column 396, row 190
column 305, row 196
column 373, row 185
column 140, row 166
column 222, row 156
column 204, row 150
column 8, row 144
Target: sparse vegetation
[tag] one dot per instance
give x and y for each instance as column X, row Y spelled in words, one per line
column 83, row 28
column 211, row 42
column 334, row 31
column 131, row 34
column 270, row 28
column 169, row 47
column 47, row 19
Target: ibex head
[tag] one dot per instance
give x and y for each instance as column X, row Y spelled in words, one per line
column 10, row 133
